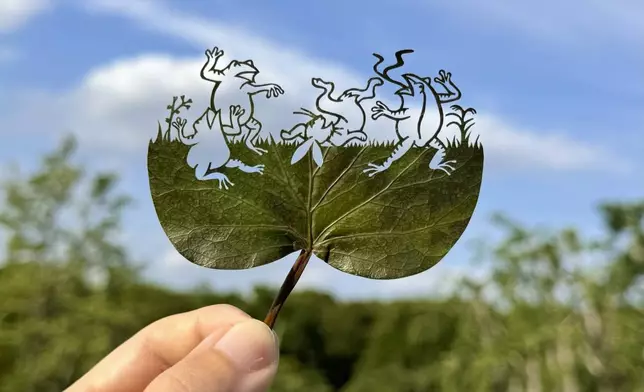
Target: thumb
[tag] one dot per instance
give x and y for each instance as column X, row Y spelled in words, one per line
column 244, row 359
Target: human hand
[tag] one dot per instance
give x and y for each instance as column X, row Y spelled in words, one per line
column 214, row 349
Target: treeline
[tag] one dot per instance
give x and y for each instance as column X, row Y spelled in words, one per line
column 560, row 312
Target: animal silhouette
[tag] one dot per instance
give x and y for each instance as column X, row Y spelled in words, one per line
column 311, row 135
column 345, row 112
column 238, row 80
column 209, row 150
column 420, row 117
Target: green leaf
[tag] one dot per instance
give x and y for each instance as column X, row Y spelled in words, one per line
column 398, row 223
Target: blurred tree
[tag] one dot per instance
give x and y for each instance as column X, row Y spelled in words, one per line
column 61, row 228
column 295, row 377
column 559, row 312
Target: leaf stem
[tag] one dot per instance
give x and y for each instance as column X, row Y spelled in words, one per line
column 288, row 286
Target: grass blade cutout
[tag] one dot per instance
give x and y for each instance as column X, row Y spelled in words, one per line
column 231, row 195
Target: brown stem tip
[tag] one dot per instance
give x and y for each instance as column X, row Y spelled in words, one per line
column 288, row 286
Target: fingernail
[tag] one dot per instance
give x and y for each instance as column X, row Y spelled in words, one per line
column 250, row 345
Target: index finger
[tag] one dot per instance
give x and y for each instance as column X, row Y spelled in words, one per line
column 157, row 347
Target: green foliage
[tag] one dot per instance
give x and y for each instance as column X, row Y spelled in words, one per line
column 174, row 110
column 547, row 320
column 60, row 227
column 355, row 223
column 464, row 126
column 294, row 377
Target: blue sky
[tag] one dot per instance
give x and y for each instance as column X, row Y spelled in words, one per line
column 557, row 84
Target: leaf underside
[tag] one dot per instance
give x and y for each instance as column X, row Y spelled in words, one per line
column 398, row 223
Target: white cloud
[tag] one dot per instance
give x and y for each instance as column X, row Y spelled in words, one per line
column 510, row 146
column 16, row 13
column 117, row 105
column 115, row 108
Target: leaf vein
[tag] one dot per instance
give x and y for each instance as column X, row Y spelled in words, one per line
column 340, row 176
column 359, row 206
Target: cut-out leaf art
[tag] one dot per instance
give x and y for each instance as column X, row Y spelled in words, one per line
column 363, row 178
